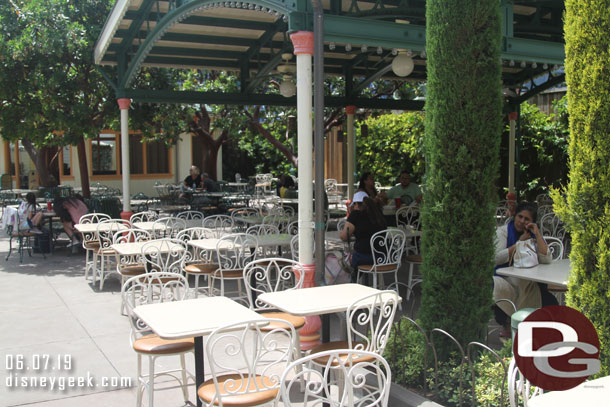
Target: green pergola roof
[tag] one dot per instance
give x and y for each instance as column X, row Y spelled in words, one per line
column 360, row 39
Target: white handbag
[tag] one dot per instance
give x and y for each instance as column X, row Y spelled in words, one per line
column 525, row 254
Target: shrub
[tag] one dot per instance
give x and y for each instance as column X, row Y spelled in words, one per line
column 394, row 143
column 409, row 358
column 586, row 209
column 463, row 128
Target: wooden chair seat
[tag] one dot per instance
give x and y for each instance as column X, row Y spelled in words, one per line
column 201, row 268
column 207, row 391
column 231, row 274
column 92, row 245
column 382, row 268
column 105, row 251
column 23, row 234
column 414, row 258
column 132, row 270
column 335, row 346
column 296, row 321
column 152, row 344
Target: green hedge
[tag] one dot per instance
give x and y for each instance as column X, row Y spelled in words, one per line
column 394, row 143
column 463, row 129
column 586, row 210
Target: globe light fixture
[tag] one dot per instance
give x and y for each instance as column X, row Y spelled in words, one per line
column 402, row 64
column 287, row 87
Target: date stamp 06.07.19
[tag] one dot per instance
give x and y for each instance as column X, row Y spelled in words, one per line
column 53, row 372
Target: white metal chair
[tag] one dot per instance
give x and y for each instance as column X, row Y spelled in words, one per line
column 233, row 252
column 264, row 230
column 221, row 224
column 198, row 262
column 147, row 289
column 129, row 266
column 192, row 218
column 408, row 219
column 164, row 255
column 239, row 213
column 145, row 216
column 369, row 321
column 293, row 228
column 90, row 241
column 295, row 247
column 555, row 245
column 106, row 230
column 272, row 275
column 246, row 363
column 519, row 386
column 364, row 377
column 387, row 247
column 167, row 227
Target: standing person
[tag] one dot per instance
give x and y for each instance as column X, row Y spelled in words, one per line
column 193, row 180
column 363, row 222
column 522, row 293
column 405, row 190
column 29, row 216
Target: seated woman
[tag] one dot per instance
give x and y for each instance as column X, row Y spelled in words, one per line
column 364, row 221
column 29, row 216
column 523, row 293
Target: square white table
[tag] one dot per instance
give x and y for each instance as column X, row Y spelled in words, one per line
column 322, row 300
column 555, row 273
column 194, row 318
column 592, row 393
column 282, row 239
column 93, row 227
column 135, row 248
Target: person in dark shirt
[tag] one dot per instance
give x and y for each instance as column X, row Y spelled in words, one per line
column 364, row 221
column 193, row 180
column 207, row 183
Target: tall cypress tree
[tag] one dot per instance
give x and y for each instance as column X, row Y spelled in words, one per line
column 586, row 211
column 462, row 139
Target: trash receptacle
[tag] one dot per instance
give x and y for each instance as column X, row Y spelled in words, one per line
column 519, row 317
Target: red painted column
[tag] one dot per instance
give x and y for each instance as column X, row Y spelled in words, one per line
column 124, row 104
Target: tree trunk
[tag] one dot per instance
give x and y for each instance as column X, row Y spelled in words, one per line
column 210, row 153
column 82, row 167
column 37, row 158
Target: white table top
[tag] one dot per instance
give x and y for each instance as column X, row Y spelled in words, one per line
column 317, row 300
column 593, row 393
column 135, row 248
column 149, row 226
column 92, row 227
column 282, row 239
column 556, row 273
column 189, row 318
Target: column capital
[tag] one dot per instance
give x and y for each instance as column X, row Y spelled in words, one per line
column 124, row 103
column 302, row 42
column 513, row 116
column 351, row 109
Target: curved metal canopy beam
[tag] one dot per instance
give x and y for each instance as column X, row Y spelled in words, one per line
column 179, row 14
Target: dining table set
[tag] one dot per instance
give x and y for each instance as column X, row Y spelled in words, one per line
column 175, row 320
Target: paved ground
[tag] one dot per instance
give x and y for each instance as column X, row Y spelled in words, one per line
column 51, row 317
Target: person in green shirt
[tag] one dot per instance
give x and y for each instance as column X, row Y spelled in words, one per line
column 405, row 190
